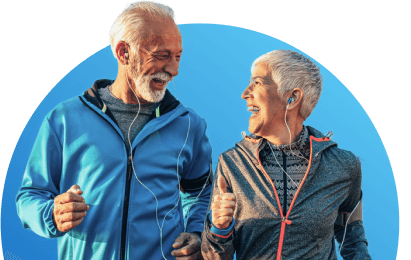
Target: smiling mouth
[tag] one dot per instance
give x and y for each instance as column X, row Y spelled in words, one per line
column 254, row 110
column 159, row 82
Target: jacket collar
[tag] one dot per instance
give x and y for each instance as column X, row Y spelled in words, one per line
column 168, row 103
column 253, row 144
column 320, row 141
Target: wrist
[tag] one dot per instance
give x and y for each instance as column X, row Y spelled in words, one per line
column 197, row 233
column 52, row 215
column 218, row 231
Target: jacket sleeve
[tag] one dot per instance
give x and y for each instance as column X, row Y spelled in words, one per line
column 353, row 244
column 214, row 246
column 40, row 185
column 196, row 182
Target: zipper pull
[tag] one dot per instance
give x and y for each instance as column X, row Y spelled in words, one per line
column 288, row 222
column 129, row 161
column 129, row 166
column 328, row 135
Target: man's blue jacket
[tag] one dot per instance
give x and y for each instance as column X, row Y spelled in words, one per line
column 80, row 143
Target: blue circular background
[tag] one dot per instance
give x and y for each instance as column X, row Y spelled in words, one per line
column 214, row 71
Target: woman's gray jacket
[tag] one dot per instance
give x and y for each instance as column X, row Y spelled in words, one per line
column 332, row 185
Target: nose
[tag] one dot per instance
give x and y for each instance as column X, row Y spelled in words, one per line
column 247, row 92
column 172, row 66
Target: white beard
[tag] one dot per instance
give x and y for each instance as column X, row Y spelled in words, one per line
column 142, row 83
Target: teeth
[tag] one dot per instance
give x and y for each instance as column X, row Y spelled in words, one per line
column 253, row 109
column 159, row 81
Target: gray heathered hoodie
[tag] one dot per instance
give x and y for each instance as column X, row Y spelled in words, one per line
column 332, row 185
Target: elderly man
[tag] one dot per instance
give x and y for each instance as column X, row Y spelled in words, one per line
column 107, row 167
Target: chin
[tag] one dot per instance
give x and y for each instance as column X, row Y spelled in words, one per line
column 153, row 96
column 252, row 130
column 147, row 92
column 253, row 126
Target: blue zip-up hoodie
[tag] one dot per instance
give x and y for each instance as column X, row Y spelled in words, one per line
column 80, row 143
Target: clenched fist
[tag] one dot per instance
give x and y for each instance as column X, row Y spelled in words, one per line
column 69, row 209
column 223, row 206
column 188, row 247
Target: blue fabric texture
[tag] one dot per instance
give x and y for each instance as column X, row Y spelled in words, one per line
column 79, row 144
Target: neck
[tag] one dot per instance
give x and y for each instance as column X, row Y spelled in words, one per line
column 121, row 89
column 281, row 135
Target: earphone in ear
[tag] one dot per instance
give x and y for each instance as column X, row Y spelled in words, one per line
column 126, row 55
column 290, row 100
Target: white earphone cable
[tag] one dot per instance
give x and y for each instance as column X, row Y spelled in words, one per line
column 275, row 157
column 285, row 120
column 345, row 229
column 132, row 164
column 205, row 185
column 177, row 169
column 288, row 128
column 269, row 144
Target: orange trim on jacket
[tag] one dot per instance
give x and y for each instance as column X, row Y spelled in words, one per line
column 284, row 220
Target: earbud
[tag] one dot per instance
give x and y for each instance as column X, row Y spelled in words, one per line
column 126, row 55
column 290, row 100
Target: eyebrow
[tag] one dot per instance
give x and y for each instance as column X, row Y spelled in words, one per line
column 257, row 77
column 168, row 51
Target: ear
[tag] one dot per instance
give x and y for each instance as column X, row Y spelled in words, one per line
column 297, row 96
column 122, row 49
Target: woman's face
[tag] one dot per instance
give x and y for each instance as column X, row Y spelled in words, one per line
column 266, row 106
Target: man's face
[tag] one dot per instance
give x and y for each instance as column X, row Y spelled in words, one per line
column 266, row 106
column 157, row 62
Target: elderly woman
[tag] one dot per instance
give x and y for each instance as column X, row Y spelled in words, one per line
column 286, row 191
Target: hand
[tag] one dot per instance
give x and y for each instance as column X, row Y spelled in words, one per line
column 189, row 245
column 69, row 209
column 223, row 206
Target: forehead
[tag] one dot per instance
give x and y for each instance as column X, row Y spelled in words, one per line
column 261, row 71
column 163, row 35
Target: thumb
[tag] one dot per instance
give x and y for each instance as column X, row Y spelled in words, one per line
column 180, row 240
column 76, row 189
column 222, row 184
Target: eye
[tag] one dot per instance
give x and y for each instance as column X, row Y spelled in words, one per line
column 255, row 82
column 162, row 57
column 258, row 83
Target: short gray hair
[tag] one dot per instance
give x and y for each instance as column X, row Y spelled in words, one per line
column 129, row 25
column 291, row 70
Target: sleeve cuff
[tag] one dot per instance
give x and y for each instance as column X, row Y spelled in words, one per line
column 48, row 219
column 221, row 232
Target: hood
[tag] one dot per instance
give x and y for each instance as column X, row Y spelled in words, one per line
column 167, row 104
column 253, row 144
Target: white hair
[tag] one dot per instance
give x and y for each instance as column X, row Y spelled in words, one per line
column 291, row 70
column 130, row 24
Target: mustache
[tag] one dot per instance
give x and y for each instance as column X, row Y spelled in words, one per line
column 161, row 76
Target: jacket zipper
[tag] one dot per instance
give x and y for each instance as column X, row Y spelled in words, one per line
column 127, row 188
column 284, row 219
column 125, row 209
column 285, row 182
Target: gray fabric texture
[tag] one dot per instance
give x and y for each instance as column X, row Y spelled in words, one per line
column 125, row 113
column 333, row 185
column 278, row 160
